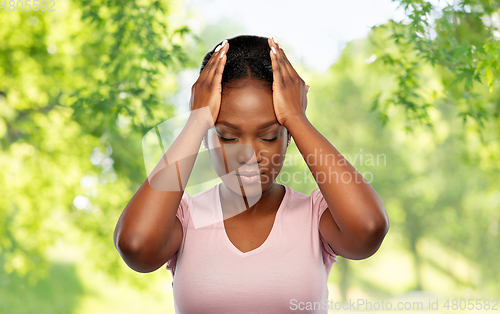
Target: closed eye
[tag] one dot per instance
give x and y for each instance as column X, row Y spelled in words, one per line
column 233, row 139
column 227, row 139
column 273, row 139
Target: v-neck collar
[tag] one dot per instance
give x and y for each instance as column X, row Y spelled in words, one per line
column 222, row 228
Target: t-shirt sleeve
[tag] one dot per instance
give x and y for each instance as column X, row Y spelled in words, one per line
column 182, row 211
column 319, row 206
column 182, row 214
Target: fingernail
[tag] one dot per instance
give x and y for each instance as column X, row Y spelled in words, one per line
column 222, row 53
column 309, row 88
column 274, row 39
column 274, row 50
column 219, row 47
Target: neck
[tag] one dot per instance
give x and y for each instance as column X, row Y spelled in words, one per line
column 233, row 203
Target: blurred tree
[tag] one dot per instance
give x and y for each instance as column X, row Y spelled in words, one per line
column 78, row 88
column 439, row 182
column 461, row 40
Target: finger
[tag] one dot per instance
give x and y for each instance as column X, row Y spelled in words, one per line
column 282, row 63
column 216, row 59
column 295, row 77
column 289, row 66
column 219, row 67
column 213, row 60
column 305, row 96
column 277, row 75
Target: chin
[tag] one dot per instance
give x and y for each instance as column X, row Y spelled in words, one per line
column 253, row 191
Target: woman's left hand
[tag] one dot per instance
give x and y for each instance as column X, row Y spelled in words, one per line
column 289, row 89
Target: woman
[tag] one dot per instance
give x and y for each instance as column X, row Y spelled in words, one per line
column 249, row 244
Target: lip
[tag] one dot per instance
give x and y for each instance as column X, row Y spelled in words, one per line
column 248, row 173
column 246, row 178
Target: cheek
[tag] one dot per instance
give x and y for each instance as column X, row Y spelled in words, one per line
column 273, row 159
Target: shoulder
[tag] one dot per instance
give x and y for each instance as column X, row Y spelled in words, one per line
column 314, row 201
column 315, row 197
column 200, row 209
column 295, row 198
column 310, row 210
column 191, row 201
column 206, row 195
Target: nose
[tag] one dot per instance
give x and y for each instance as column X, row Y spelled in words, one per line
column 247, row 153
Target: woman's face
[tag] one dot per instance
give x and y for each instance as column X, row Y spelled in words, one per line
column 247, row 138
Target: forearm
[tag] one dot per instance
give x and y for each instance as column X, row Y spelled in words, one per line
column 174, row 168
column 146, row 223
column 355, row 206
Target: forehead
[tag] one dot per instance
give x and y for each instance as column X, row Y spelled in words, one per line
column 250, row 103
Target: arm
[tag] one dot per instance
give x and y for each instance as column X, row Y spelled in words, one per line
column 148, row 233
column 355, row 222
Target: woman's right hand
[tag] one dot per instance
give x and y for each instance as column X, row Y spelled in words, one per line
column 207, row 90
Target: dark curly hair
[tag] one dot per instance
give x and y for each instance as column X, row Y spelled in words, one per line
column 247, row 57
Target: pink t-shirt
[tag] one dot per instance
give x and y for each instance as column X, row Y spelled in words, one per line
column 212, row 276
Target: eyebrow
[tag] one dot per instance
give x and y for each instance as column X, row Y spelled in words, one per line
column 262, row 126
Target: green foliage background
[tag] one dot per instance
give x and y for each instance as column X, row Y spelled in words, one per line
column 421, row 95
